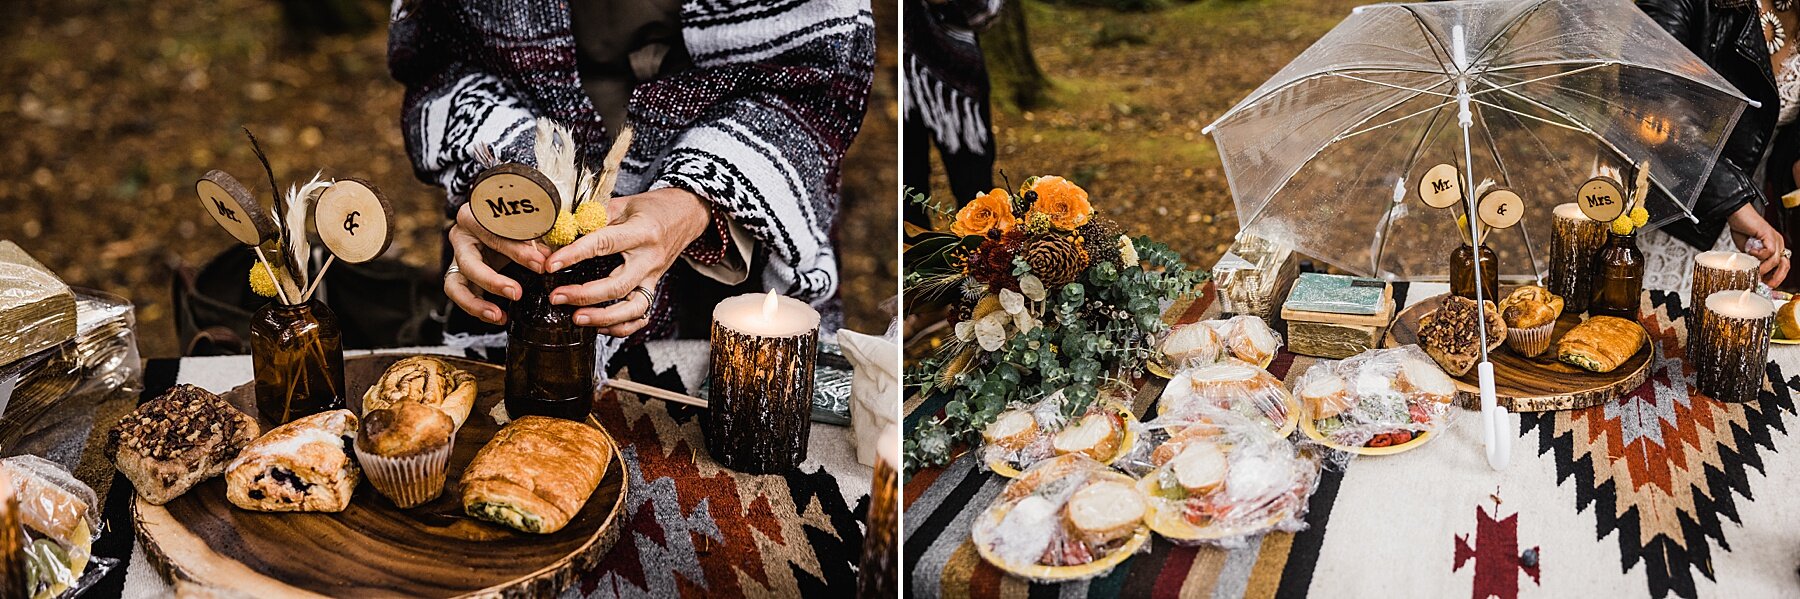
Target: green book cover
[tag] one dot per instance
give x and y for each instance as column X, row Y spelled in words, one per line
column 1336, row 294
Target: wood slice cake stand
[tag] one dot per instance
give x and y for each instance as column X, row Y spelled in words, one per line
column 1534, row 384
column 374, row 549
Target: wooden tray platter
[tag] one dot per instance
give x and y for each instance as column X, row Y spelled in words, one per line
column 1534, row 384
column 374, row 549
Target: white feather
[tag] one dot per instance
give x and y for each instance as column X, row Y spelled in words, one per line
column 555, row 151
column 299, row 247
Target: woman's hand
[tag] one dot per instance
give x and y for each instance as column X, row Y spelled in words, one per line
column 1747, row 222
column 471, row 270
column 649, row 230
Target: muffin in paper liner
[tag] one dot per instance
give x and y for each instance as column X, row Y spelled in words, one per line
column 1531, row 342
column 407, row 480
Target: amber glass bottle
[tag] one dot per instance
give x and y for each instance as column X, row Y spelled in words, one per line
column 1618, row 277
column 1462, row 273
column 549, row 360
column 298, row 353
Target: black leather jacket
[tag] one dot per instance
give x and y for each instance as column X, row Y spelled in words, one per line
column 1730, row 39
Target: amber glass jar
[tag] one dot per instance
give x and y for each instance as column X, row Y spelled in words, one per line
column 549, row 360
column 1618, row 277
column 298, row 352
column 1462, row 273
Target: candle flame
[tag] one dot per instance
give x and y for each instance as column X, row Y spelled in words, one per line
column 768, row 312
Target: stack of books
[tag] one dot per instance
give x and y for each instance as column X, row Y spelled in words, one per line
column 1335, row 316
column 37, row 310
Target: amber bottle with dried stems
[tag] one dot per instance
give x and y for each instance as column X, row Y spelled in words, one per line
column 549, row 359
column 1462, row 273
column 298, row 353
column 1619, row 277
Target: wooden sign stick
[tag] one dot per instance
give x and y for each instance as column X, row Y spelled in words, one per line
column 656, row 392
column 279, row 292
column 320, row 276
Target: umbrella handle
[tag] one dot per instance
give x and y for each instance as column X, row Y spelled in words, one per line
column 1496, row 424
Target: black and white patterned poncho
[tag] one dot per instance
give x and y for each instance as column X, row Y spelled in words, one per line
column 758, row 127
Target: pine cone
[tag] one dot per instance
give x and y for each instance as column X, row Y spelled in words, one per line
column 1100, row 237
column 1056, row 260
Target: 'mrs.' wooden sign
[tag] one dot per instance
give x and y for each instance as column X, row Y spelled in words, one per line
column 514, row 201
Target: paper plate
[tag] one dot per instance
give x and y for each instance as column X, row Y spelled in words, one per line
column 1177, row 529
column 1006, row 469
column 994, row 514
column 1780, row 340
column 1306, row 426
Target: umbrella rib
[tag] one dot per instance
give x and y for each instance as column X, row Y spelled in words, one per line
column 1412, row 161
column 1504, row 33
column 1577, row 128
column 1608, row 144
column 1733, row 92
column 1337, row 72
column 1245, row 225
column 1439, row 49
column 1506, row 177
column 1392, row 122
column 1396, row 86
column 1495, row 88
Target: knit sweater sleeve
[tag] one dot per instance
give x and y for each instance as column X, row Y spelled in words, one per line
column 450, row 105
column 759, row 127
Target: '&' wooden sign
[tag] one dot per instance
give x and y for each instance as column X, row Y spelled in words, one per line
column 1500, row 208
column 514, row 201
column 1441, row 187
column 352, row 218
column 1601, row 199
column 231, row 205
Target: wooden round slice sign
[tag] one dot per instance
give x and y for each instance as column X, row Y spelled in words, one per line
column 514, row 201
column 206, row 546
column 1601, row 199
column 1441, row 187
column 352, row 217
column 234, row 208
column 1500, row 208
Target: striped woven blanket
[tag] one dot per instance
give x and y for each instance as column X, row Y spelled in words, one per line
column 1662, row 492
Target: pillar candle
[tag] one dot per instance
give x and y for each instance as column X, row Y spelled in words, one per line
column 1714, row 272
column 760, row 402
column 1574, row 238
column 878, row 574
column 1734, row 345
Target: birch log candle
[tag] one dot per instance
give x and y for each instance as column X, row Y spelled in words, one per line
column 878, row 573
column 1574, row 238
column 1714, row 272
column 14, row 577
column 760, row 409
column 1734, row 334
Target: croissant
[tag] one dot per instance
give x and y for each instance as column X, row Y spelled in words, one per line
column 1601, row 344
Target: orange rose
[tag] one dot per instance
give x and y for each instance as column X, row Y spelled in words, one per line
column 989, row 211
column 1064, row 202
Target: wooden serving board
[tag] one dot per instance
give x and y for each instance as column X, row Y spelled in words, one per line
column 1534, row 384
column 374, row 549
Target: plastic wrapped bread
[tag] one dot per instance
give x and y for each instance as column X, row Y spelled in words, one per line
column 1248, row 338
column 1379, row 398
column 1218, row 478
column 1065, row 518
column 1233, row 386
column 1021, row 437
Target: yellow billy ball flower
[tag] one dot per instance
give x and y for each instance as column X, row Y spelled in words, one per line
column 563, row 233
column 260, row 281
column 1640, row 216
column 590, row 216
column 1622, row 225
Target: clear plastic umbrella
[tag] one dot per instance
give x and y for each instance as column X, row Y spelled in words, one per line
column 1537, row 96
